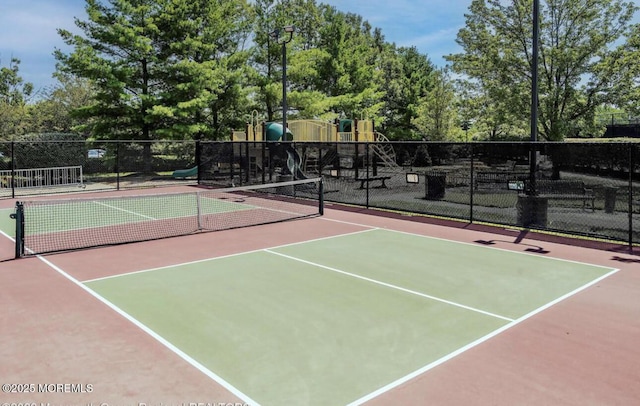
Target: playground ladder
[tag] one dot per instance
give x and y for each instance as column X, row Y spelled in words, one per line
column 384, row 150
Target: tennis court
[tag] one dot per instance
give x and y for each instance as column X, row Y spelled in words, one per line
column 344, row 308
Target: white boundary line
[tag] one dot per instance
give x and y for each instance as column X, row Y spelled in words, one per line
column 371, row 395
column 467, row 243
column 8, row 236
column 217, row 378
column 147, row 330
column 473, row 344
column 222, row 257
column 124, row 210
column 389, row 285
column 221, row 381
column 154, row 335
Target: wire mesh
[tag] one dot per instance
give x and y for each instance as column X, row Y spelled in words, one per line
column 60, row 225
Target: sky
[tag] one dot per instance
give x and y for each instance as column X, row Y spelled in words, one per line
column 28, row 28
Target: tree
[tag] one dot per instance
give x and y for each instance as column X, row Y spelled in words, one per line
column 332, row 61
column 119, row 53
column 55, row 112
column 161, row 68
column 14, row 93
column 191, row 69
column 629, row 55
column 349, row 76
column 408, row 79
column 303, row 56
column 203, row 42
column 436, row 112
column 577, row 66
column 491, row 121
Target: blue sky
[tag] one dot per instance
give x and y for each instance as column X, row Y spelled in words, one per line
column 28, row 28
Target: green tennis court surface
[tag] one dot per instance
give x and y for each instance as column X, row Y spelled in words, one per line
column 329, row 321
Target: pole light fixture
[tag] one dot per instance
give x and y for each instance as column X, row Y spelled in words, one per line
column 282, row 39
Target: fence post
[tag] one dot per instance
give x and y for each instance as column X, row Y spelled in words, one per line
column 232, row 157
column 630, row 202
column 471, row 185
column 366, row 146
column 321, row 197
column 198, row 153
column 13, row 170
column 356, row 157
column 264, row 159
column 247, row 162
column 117, row 168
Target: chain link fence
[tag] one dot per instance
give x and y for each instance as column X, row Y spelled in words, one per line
column 44, row 167
column 588, row 189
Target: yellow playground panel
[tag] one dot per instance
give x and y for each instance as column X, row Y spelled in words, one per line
column 317, row 131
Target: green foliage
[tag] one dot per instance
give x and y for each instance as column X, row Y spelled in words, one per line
column 161, row 68
column 627, row 64
column 578, row 69
column 13, row 97
column 407, row 81
column 49, row 150
column 181, row 69
column 195, row 69
column 55, row 111
column 435, row 117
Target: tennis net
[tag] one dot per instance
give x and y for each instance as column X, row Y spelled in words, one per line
column 47, row 226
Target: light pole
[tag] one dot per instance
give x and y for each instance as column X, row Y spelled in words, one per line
column 290, row 29
column 535, row 43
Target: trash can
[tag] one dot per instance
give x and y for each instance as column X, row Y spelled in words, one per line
column 435, row 183
column 610, row 199
column 531, row 211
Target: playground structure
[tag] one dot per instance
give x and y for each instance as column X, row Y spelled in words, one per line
column 314, row 145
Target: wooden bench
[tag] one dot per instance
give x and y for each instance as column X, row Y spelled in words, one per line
column 382, row 179
column 566, row 190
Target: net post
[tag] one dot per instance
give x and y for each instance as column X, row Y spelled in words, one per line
column 19, row 218
column 321, row 197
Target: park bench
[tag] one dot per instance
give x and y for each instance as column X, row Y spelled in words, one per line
column 368, row 180
column 566, row 190
column 497, row 177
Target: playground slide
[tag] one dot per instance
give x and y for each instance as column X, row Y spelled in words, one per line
column 185, row 173
column 294, row 161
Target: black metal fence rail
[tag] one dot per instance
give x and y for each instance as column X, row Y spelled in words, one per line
column 587, row 189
